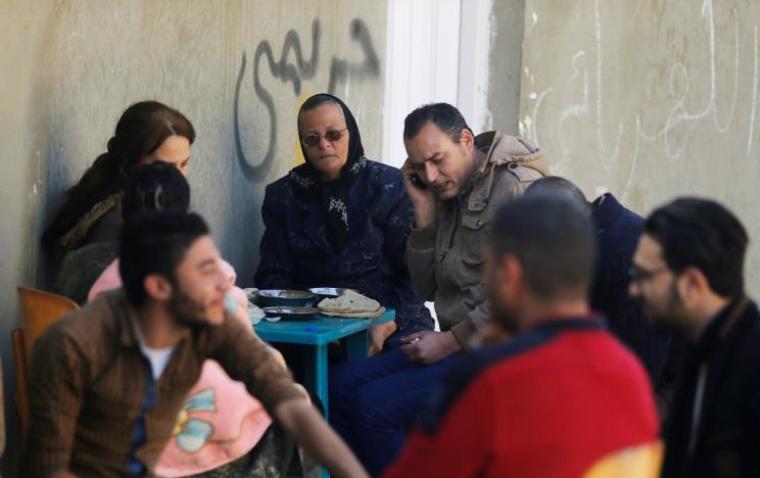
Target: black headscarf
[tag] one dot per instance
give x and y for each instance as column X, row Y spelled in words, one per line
column 308, row 184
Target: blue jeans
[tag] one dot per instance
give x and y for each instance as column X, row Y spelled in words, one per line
column 374, row 401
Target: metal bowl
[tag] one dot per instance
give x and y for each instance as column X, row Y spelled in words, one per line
column 289, row 312
column 282, row 297
column 326, row 292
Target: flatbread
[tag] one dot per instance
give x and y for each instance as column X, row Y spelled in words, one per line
column 349, row 302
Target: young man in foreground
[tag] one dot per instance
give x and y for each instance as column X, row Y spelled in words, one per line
column 108, row 381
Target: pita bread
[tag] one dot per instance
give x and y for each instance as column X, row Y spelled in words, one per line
column 349, row 302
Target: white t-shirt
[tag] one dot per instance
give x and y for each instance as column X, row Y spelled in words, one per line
column 158, row 358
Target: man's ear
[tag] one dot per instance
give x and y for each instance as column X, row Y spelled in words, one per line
column 157, row 287
column 693, row 284
column 466, row 138
column 509, row 275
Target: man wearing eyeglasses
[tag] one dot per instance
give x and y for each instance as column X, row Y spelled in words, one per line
column 688, row 270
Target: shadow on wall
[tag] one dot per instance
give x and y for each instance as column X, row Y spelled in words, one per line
column 294, row 72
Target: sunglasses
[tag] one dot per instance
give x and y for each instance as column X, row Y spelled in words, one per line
column 333, row 136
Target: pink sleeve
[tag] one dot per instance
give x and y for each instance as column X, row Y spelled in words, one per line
column 228, row 271
column 241, row 312
column 237, row 294
column 109, row 279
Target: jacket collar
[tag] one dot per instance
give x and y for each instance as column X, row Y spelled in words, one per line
column 719, row 329
column 498, row 150
column 483, row 145
column 716, row 346
column 591, row 321
column 124, row 315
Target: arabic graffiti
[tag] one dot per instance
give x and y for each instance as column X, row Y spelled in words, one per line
column 293, row 67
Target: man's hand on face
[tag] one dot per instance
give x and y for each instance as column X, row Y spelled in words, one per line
column 422, row 198
column 428, row 346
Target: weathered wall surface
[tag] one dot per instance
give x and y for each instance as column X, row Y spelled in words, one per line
column 505, row 59
column 648, row 99
column 237, row 69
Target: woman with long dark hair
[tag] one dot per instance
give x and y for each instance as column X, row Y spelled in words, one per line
column 85, row 230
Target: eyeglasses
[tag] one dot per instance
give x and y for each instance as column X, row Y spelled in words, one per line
column 637, row 274
column 333, row 136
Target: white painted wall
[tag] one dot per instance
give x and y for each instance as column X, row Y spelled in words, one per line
column 421, row 64
column 476, row 37
column 436, row 51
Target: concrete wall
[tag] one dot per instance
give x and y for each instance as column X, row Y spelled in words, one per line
column 505, row 60
column 648, row 99
column 237, row 69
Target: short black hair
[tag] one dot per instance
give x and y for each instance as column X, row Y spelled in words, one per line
column 704, row 234
column 446, row 117
column 553, row 239
column 559, row 185
column 157, row 186
column 155, row 242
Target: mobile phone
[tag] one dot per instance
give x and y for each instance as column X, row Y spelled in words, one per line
column 417, row 181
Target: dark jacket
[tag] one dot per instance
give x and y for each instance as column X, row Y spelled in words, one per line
column 86, row 249
column 296, row 253
column 617, row 231
column 728, row 435
column 82, row 267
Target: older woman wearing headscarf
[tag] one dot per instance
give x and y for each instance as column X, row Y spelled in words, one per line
column 341, row 220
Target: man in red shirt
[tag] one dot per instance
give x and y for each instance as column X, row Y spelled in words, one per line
column 561, row 394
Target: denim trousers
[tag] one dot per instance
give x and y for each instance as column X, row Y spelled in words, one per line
column 373, row 402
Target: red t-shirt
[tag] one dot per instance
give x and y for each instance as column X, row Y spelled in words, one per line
column 549, row 403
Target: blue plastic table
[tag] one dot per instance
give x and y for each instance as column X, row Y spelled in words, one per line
column 317, row 333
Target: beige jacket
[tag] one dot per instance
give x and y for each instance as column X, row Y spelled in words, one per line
column 445, row 259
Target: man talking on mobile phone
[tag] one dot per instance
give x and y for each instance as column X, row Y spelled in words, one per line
column 455, row 181
column 464, row 178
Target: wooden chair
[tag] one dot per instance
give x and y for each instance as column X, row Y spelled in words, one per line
column 2, row 414
column 39, row 310
column 642, row 461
